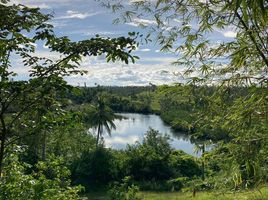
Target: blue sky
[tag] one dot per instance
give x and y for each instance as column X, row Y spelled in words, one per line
column 82, row 19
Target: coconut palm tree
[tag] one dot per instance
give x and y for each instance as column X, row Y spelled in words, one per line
column 101, row 118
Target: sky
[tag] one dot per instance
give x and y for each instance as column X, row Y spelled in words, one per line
column 83, row 19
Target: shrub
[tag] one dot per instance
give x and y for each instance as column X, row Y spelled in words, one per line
column 95, row 168
column 149, row 160
column 184, row 164
column 177, row 183
column 124, row 191
column 16, row 184
column 153, row 164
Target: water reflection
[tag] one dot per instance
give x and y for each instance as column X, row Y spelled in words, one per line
column 132, row 127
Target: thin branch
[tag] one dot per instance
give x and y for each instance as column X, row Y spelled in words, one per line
column 252, row 38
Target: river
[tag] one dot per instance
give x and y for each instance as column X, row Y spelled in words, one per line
column 133, row 127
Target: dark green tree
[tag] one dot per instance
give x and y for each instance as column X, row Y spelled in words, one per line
column 20, row 28
column 101, row 118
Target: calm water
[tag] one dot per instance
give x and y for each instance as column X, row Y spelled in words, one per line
column 133, row 127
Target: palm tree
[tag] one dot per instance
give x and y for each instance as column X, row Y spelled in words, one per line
column 101, row 118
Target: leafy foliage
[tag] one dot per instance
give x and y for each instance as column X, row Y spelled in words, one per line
column 185, row 27
column 95, row 168
column 48, row 181
column 20, row 28
column 124, row 191
column 153, row 165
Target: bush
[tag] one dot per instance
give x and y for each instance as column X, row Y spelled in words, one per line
column 177, row 183
column 154, row 159
column 124, row 191
column 153, row 164
column 149, row 160
column 184, row 164
column 95, row 168
column 16, row 184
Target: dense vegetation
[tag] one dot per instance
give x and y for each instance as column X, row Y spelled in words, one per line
column 47, row 152
column 152, row 164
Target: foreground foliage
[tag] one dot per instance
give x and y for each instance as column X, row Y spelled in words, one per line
column 48, row 180
column 124, row 191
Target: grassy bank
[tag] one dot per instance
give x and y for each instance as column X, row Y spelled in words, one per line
column 262, row 194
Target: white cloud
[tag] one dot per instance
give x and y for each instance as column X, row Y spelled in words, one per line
column 92, row 31
column 141, row 22
column 161, row 60
column 135, row 1
column 104, row 73
column 229, row 34
column 32, row 4
column 144, row 50
column 155, row 69
column 22, row 70
column 142, row 73
column 110, row 141
column 70, row 14
column 41, row 4
column 47, row 54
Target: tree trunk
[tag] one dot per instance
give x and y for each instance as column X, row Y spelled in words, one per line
column 194, row 192
column 3, row 139
column 2, row 150
column 203, row 162
column 98, row 135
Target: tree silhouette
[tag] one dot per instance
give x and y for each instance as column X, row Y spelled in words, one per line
column 101, row 118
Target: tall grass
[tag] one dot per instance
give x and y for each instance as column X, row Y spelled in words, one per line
column 261, row 194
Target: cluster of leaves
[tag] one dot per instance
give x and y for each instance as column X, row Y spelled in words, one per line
column 124, row 191
column 157, row 166
column 49, row 180
column 153, row 165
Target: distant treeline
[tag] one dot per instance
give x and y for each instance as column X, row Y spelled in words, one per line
column 178, row 105
column 86, row 94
